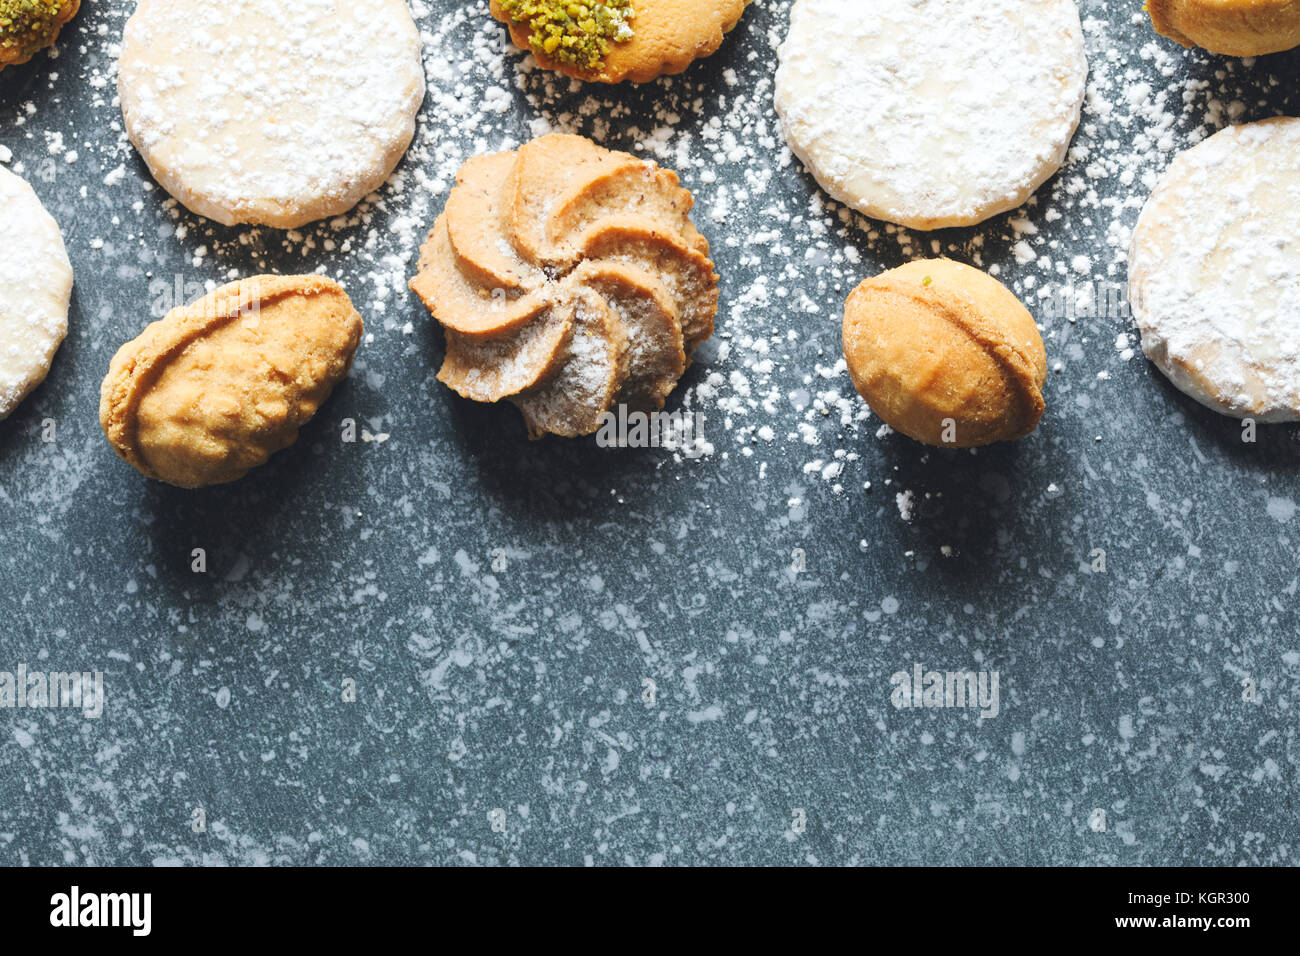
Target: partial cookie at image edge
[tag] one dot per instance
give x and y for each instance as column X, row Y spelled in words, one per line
column 36, row 282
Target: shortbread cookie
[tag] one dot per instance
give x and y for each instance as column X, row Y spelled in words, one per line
column 1230, row 27
column 35, row 289
column 569, row 280
column 932, row 113
column 945, row 354
column 616, row 40
column 216, row 387
column 271, row 113
column 1214, row 272
column 27, row 26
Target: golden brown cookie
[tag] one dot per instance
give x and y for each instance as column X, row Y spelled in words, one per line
column 616, row 40
column 569, row 279
column 1229, row 27
column 27, row 26
column 945, row 354
column 216, row 387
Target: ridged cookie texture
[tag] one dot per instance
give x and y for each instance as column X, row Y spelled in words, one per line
column 28, row 26
column 569, row 280
column 1229, row 27
column 215, row 388
column 667, row 37
column 945, row 354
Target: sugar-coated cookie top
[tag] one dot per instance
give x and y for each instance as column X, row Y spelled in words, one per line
column 35, row 288
column 260, row 111
column 1215, row 271
column 932, row 113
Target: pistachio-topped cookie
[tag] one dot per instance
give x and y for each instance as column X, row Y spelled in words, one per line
column 27, row 26
column 614, row 40
column 577, row 34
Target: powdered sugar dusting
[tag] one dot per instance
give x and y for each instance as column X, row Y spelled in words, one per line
column 259, row 111
column 35, row 284
column 932, row 112
column 1216, row 271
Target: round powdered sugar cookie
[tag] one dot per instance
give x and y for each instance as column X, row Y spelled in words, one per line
column 932, row 113
column 1214, row 272
column 35, row 289
column 271, row 113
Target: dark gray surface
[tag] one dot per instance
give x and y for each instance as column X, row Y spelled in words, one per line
column 520, row 689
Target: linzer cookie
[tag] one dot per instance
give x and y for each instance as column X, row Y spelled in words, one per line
column 569, row 280
column 617, row 40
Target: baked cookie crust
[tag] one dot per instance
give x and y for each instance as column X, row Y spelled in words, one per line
column 568, row 279
column 28, row 26
column 945, row 354
column 1229, row 27
column 214, row 388
column 667, row 37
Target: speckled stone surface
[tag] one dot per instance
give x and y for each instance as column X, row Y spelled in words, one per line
column 501, row 603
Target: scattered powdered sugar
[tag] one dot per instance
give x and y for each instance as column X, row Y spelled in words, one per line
column 773, row 374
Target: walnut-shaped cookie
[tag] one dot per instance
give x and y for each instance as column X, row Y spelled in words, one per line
column 215, row 388
column 1229, row 27
column 945, row 354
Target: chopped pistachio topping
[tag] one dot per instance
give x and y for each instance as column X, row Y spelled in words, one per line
column 28, row 25
column 576, row 32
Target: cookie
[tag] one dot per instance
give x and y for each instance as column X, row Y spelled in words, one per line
column 932, row 113
column 270, row 113
column 569, row 279
column 1214, row 272
column 945, row 354
column 215, row 388
column 618, row 40
column 35, row 290
column 1229, row 27
column 27, row 26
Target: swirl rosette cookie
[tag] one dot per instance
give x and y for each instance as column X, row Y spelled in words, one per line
column 569, row 280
